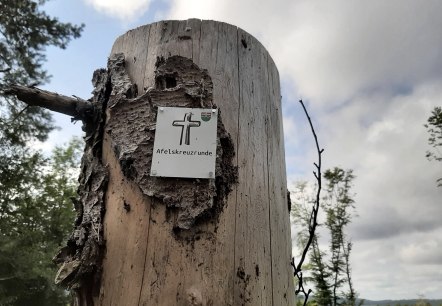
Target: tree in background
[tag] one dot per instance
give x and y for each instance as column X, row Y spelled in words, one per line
column 338, row 205
column 434, row 128
column 36, row 217
column 320, row 275
column 319, row 271
column 330, row 270
column 25, row 32
column 30, row 222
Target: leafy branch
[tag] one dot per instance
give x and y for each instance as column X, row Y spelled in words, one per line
column 312, row 223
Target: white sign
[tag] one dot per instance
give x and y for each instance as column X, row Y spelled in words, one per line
column 185, row 142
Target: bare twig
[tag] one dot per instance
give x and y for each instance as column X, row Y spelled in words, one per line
column 19, row 113
column 297, row 268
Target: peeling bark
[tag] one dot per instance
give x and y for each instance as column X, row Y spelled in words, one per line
column 81, row 257
column 131, row 126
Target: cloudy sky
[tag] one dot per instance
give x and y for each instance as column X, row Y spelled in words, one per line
column 369, row 71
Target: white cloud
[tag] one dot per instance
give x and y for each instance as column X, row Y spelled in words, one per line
column 425, row 251
column 123, row 10
column 396, row 268
column 386, row 148
column 336, row 49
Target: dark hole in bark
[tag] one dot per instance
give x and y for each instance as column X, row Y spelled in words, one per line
column 126, row 206
column 244, row 43
column 170, row 82
column 166, row 81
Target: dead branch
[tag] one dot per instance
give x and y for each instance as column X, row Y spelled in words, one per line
column 78, row 108
column 297, row 269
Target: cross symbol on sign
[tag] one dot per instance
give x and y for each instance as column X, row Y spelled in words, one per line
column 186, row 123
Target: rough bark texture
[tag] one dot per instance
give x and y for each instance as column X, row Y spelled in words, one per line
column 131, row 126
column 81, row 257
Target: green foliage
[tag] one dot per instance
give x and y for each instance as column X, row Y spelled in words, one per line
column 25, row 32
column 434, row 129
column 34, row 209
column 330, row 269
column 36, row 216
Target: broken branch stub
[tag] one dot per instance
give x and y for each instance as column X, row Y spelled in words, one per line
column 77, row 108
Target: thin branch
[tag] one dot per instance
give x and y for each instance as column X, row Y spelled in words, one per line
column 77, row 108
column 297, row 269
column 5, row 278
column 19, row 113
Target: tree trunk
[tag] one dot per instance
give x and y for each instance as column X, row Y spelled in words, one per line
column 181, row 241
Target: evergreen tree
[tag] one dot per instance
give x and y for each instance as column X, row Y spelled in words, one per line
column 320, row 275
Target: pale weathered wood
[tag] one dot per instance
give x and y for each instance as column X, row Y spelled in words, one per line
column 170, row 270
column 242, row 256
column 280, row 235
column 219, row 54
column 127, row 226
column 252, row 245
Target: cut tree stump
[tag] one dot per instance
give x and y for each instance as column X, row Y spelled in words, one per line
column 145, row 240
